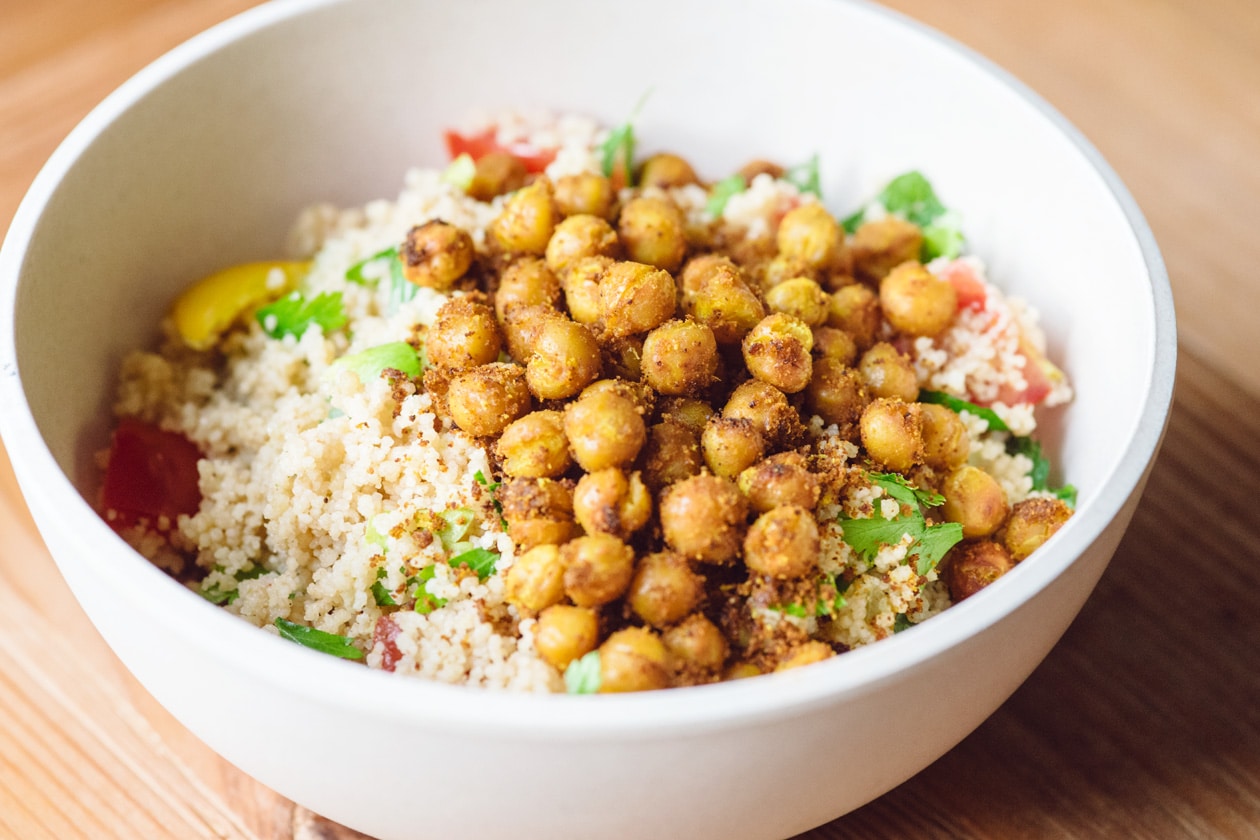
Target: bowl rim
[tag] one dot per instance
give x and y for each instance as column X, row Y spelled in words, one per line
column 240, row 646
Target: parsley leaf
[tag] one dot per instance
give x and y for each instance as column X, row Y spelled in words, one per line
column 582, row 675
column 216, row 594
column 425, row 602
column 370, row 363
column 491, row 488
column 382, row 595
column 722, row 191
column 400, row 289
column 929, row 543
column 457, row 523
column 294, row 313
column 354, row 274
column 902, row 622
column 480, row 560
column 957, row 404
column 911, row 197
column 329, row 643
column 805, row 177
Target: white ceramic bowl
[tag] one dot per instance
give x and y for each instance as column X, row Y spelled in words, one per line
column 205, row 157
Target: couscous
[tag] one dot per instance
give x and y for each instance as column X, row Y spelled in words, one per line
column 559, row 418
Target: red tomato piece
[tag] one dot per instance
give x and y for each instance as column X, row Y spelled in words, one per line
column 969, row 287
column 477, row 146
column 1037, row 372
column 386, row 634
column 152, row 473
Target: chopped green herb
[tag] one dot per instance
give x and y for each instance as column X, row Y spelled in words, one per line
column 329, row 643
column 619, row 147
column 722, row 191
column 491, row 488
column 382, row 595
column 216, row 594
column 805, row 177
column 480, row 560
column 355, row 273
column 1067, row 493
column 293, row 314
column 582, row 675
column 370, row 363
column 911, row 197
column 832, row 606
column 902, row 622
column 942, row 238
column 375, row 537
column 425, row 602
column 957, row 404
column 460, row 172
column 853, row 221
column 1040, row 472
column 929, row 543
column 400, row 289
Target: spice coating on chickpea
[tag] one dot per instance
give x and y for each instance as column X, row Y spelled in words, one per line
column 610, row 502
column 653, row 231
column 565, row 359
column 777, row 351
column 880, row 246
column 584, row 193
column 665, row 589
column 497, row 173
column 664, row 170
column 436, row 254
column 1031, row 523
column 534, row 446
column 672, row 453
column 580, row 236
column 633, row 659
column 916, row 301
column 564, row 633
column 634, row 298
column 527, row 221
column 536, row 580
column 464, row 334
column 892, row 432
column 679, row 358
column 856, row 310
column 604, row 430
column 731, row 445
column 811, row 234
column 703, row 517
column 783, row 543
column 484, row 400
column 888, row 372
column 597, row 569
column 971, row 566
column 782, row 479
column 526, row 280
column 975, row 500
column 946, row 442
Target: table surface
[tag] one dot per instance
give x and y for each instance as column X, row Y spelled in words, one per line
column 1143, row 722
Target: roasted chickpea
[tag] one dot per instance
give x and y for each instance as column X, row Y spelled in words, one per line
column 584, row 193
column 742, row 670
column 971, row 566
column 565, row 359
column 672, row 454
column 837, row 394
column 1031, row 523
column 436, row 254
column 497, row 173
column 855, row 309
column 581, row 288
column 528, row 218
column 623, row 357
column 633, row 659
column 702, row 518
column 610, row 502
column 756, row 167
column 975, row 500
column 832, row 343
column 696, row 645
column 811, row 234
column 692, row 413
column 782, row 479
column 526, row 280
column 768, row 409
column 653, row 231
column 537, row 511
column 892, row 432
column 597, row 569
column 484, row 400
column 639, row 393
column 536, row 580
column 800, row 297
column 880, row 246
column 604, row 430
column 946, row 443
column 534, row 446
column 635, row 297
column 783, row 543
column 777, row 351
column 888, row 372
column 916, row 301
column 565, row 633
column 522, row 323
column 731, row 445
column 464, row 334
column 807, row 653
column 664, row 589
column 715, row 294
column 665, row 170
column 679, row 357
column 780, row 269
column 580, row 236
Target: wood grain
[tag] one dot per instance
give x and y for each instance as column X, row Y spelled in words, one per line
column 1144, row 722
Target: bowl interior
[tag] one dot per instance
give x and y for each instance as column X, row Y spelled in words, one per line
column 206, row 157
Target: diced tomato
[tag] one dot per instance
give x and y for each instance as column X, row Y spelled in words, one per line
column 152, row 473
column 386, row 634
column 477, row 146
column 1038, row 374
column 969, row 287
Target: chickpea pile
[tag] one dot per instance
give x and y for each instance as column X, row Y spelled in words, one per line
column 642, row 387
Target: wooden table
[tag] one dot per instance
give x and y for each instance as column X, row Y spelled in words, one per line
column 1143, row 722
